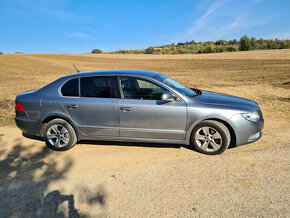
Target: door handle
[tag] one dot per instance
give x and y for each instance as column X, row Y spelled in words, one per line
column 125, row 109
column 73, row 106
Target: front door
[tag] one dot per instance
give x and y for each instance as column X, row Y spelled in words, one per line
column 94, row 109
column 143, row 114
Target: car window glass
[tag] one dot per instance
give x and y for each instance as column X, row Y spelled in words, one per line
column 135, row 88
column 71, row 88
column 97, row 86
column 176, row 85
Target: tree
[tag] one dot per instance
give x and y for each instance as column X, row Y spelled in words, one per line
column 233, row 42
column 209, row 49
column 192, row 42
column 271, row 44
column 1, row 53
column 253, row 43
column 149, row 50
column 285, row 44
column 96, row 51
column 221, row 42
column 245, row 43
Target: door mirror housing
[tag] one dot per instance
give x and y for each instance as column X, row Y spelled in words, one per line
column 167, row 96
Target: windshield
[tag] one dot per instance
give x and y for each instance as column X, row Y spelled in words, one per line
column 176, row 85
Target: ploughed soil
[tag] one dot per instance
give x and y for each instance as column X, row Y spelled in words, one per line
column 114, row 179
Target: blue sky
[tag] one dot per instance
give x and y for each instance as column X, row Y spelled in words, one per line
column 78, row 26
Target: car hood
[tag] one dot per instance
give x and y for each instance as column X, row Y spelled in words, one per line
column 228, row 100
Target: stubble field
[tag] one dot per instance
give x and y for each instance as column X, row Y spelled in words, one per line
column 131, row 179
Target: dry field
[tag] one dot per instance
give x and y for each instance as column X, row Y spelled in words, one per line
column 129, row 179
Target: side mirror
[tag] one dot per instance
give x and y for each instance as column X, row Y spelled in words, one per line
column 167, row 96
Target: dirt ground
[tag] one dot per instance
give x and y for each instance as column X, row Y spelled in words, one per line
column 112, row 179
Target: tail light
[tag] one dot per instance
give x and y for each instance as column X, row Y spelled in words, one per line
column 18, row 106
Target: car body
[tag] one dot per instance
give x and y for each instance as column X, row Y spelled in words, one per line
column 136, row 105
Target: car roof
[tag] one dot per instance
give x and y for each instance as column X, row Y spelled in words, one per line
column 114, row 72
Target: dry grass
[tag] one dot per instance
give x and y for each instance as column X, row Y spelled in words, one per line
column 152, row 180
column 263, row 76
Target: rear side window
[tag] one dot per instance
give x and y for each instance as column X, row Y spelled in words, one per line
column 97, row 86
column 71, row 88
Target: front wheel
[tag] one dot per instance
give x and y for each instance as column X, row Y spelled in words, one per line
column 59, row 135
column 210, row 137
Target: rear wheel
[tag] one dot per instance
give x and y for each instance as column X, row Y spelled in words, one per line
column 59, row 135
column 210, row 137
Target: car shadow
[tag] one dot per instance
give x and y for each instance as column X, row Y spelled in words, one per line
column 24, row 194
column 136, row 144
column 117, row 143
column 34, row 137
column 121, row 143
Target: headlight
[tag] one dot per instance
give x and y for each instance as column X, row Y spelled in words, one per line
column 252, row 116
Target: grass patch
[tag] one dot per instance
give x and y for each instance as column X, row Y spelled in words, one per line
column 6, row 111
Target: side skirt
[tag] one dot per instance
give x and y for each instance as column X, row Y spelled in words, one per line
column 130, row 139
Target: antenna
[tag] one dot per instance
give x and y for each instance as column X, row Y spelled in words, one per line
column 76, row 68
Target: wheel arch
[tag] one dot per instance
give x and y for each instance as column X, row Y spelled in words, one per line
column 57, row 116
column 230, row 128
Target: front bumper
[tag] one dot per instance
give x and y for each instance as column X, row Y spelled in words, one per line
column 246, row 131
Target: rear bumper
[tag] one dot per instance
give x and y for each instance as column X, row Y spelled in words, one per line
column 246, row 131
column 27, row 125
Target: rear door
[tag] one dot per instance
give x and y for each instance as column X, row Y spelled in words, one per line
column 93, row 107
column 143, row 114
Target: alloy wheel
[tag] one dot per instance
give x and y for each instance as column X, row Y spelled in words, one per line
column 208, row 139
column 58, row 136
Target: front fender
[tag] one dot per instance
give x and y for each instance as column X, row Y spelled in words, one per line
column 209, row 117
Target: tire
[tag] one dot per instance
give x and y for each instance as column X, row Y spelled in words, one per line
column 59, row 135
column 210, row 137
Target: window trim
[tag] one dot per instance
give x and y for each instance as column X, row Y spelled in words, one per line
column 157, row 83
column 65, row 82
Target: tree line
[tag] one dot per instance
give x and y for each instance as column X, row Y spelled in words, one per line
column 191, row 47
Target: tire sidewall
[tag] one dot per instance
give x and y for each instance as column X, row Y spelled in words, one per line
column 72, row 138
column 225, row 139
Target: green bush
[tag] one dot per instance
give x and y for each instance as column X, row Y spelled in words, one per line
column 285, row 44
column 96, row 51
column 1, row 53
column 221, row 42
column 271, row 44
column 210, row 49
column 220, row 48
column 149, row 50
column 137, row 52
column 232, row 48
column 122, row 52
column 245, row 43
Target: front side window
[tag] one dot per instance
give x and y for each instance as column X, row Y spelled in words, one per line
column 96, row 86
column 135, row 88
column 71, row 88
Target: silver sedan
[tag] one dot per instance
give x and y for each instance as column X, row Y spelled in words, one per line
column 135, row 105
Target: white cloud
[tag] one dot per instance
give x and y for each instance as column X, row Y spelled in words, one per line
column 79, row 35
column 221, row 19
column 202, row 21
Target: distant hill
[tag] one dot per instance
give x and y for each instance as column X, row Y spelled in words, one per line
column 191, row 47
